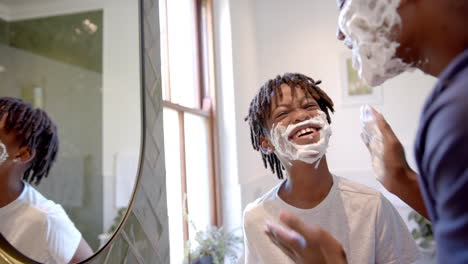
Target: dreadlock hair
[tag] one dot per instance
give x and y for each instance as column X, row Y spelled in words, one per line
column 260, row 108
column 36, row 131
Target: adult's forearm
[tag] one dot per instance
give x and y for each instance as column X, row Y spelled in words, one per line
column 407, row 189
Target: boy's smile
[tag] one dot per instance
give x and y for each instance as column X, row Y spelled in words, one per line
column 306, row 134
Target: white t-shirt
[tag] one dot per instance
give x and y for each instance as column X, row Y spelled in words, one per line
column 361, row 219
column 39, row 228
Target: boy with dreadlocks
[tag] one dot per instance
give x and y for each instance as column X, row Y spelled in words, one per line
column 289, row 122
column 37, row 227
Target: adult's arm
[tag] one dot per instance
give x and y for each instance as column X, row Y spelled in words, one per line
column 396, row 176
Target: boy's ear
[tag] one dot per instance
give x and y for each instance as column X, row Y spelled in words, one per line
column 25, row 155
column 265, row 146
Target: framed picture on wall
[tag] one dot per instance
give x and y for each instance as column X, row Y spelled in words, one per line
column 355, row 92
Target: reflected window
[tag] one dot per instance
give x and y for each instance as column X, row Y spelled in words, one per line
column 188, row 119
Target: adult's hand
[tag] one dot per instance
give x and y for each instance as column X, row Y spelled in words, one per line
column 389, row 160
column 305, row 243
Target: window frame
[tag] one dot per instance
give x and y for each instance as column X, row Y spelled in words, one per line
column 206, row 102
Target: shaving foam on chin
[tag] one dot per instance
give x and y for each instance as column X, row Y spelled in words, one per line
column 368, row 26
column 288, row 151
column 372, row 137
column 3, row 153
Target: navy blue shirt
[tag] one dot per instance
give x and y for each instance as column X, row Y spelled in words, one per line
column 442, row 157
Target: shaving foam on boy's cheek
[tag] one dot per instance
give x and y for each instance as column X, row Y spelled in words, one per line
column 368, row 27
column 3, row 153
column 288, row 151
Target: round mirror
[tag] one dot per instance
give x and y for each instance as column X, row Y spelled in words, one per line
column 78, row 61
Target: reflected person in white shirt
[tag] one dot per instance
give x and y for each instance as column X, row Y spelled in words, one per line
column 34, row 225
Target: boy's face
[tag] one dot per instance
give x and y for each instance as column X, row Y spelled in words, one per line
column 291, row 110
column 298, row 128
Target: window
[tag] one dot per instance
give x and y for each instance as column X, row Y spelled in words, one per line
column 189, row 133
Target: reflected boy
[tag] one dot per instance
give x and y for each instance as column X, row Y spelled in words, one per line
column 36, row 226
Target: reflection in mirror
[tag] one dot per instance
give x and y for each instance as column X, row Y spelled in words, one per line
column 80, row 64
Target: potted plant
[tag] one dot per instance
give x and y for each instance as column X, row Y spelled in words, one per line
column 423, row 234
column 212, row 246
column 104, row 237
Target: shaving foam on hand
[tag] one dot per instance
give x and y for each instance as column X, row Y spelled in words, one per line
column 274, row 229
column 372, row 137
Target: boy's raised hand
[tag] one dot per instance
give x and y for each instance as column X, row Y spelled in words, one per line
column 305, row 243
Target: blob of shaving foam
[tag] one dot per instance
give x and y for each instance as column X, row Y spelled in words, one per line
column 372, row 137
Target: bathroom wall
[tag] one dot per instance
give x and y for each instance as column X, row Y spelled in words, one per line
column 74, row 39
column 3, row 31
column 5, row 63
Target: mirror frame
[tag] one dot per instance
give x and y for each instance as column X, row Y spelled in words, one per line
column 143, row 234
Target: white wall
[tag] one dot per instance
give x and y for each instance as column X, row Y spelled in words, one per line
column 231, row 196
column 121, row 77
column 270, row 37
column 121, row 92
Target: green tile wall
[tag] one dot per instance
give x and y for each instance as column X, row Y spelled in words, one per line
column 73, row 39
column 3, row 32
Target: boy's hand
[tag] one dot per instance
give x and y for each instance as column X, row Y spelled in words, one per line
column 305, row 244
